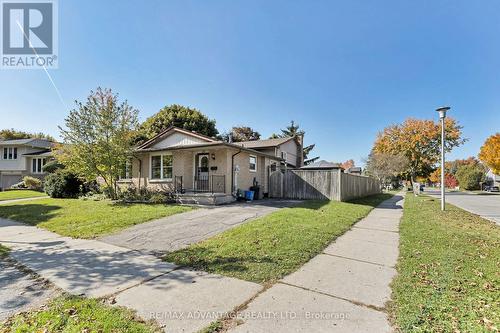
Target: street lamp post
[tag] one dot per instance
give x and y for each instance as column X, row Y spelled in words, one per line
column 442, row 116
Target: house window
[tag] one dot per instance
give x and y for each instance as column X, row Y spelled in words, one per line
column 10, row 153
column 161, row 167
column 283, row 155
column 37, row 165
column 126, row 171
column 253, row 163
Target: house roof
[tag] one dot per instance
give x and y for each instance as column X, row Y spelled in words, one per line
column 322, row 164
column 209, row 145
column 33, row 142
column 170, row 130
column 45, row 152
column 264, row 143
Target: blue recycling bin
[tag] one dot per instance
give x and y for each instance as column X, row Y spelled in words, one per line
column 249, row 195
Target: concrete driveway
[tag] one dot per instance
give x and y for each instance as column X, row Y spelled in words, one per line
column 485, row 205
column 179, row 231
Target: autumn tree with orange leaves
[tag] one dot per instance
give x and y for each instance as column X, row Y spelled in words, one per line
column 420, row 141
column 347, row 164
column 490, row 153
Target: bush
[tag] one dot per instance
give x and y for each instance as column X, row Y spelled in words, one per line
column 32, row 183
column 62, row 184
column 52, row 166
column 93, row 196
column 131, row 194
column 469, row 177
column 158, row 198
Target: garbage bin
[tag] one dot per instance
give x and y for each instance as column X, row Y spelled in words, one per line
column 249, row 195
column 256, row 190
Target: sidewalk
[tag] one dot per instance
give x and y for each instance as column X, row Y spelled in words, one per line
column 157, row 290
column 344, row 289
column 6, row 202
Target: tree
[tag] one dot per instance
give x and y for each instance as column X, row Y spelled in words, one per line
column 293, row 130
column 241, row 133
column 98, row 138
column 490, row 153
column 385, row 166
column 12, row 134
column 453, row 166
column 450, row 181
column 470, row 177
column 348, row 164
column 419, row 140
column 179, row 116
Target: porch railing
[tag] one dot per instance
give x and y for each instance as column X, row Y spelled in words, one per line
column 178, row 184
column 210, row 183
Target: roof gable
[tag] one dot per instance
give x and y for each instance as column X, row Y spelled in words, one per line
column 174, row 136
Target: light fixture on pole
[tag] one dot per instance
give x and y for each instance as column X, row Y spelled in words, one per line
column 442, row 115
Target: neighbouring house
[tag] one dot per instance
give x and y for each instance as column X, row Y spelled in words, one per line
column 354, row 170
column 289, row 149
column 322, row 165
column 22, row 157
column 197, row 166
column 492, row 179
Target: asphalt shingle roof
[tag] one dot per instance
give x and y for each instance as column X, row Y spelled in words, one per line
column 263, row 143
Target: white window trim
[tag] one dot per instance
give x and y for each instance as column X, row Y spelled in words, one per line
column 41, row 165
column 10, row 159
column 284, row 155
column 254, row 170
column 159, row 180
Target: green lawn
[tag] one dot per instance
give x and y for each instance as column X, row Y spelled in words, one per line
column 448, row 270
column 85, row 218
column 77, row 314
column 272, row 246
column 20, row 194
column 3, row 251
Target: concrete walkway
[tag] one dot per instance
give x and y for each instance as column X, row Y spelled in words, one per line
column 344, row 289
column 179, row 231
column 21, row 290
column 5, row 202
column 181, row 300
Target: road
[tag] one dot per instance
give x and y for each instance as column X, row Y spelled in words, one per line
column 485, row 205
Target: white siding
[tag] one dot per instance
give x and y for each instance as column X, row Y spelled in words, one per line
column 290, row 147
column 178, row 139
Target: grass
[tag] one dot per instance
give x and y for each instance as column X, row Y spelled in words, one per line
column 20, row 194
column 4, row 251
column 85, row 218
column 448, row 275
column 270, row 247
column 77, row 314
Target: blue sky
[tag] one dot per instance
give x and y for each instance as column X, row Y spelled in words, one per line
column 343, row 70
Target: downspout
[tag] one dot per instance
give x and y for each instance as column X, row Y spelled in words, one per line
column 233, row 191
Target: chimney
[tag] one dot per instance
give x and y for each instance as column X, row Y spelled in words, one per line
column 300, row 155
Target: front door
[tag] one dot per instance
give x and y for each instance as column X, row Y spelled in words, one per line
column 201, row 180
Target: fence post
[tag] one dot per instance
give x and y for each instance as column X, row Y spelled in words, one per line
column 340, row 185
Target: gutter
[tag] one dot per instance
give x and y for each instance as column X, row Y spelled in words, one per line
column 233, row 192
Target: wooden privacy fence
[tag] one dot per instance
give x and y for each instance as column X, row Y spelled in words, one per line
column 319, row 184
